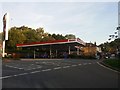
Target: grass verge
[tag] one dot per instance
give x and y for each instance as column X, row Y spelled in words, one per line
column 112, row 63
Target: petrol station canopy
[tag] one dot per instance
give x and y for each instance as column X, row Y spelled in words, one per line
column 66, row 41
column 55, row 47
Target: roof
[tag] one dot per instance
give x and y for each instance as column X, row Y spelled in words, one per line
column 52, row 42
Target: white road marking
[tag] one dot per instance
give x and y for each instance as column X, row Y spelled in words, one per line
column 16, row 75
column 22, row 74
column 74, row 65
column 20, row 68
column 13, row 67
column 58, row 65
column 57, row 68
column 66, row 66
column 46, row 70
column 13, row 75
column 79, row 64
column 35, row 71
column 5, row 77
column 39, row 67
column 30, row 69
column 33, row 68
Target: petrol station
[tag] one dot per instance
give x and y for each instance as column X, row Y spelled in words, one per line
column 52, row 49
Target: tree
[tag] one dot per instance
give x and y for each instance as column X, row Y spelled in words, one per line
column 43, row 36
column 70, row 36
column 30, row 35
column 1, row 38
column 58, row 36
column 39, row 33
column 15, row 37
column 24, row 34
column 111, row 46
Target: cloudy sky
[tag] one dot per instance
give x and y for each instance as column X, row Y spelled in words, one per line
column 90, row 21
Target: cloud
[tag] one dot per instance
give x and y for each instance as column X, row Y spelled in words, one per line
column 85, row 20
column 26, row 15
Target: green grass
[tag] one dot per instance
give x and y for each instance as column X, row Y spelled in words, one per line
column 115, row 63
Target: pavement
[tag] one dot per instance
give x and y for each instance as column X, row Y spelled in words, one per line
column 0, row 73
column 62, row 73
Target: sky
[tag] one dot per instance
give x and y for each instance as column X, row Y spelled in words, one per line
column 89, row 21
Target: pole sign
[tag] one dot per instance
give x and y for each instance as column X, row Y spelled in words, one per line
column 5, row 26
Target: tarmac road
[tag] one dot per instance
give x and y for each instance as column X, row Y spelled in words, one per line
column 57, row 74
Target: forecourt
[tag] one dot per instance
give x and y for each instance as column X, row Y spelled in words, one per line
column 57, row 73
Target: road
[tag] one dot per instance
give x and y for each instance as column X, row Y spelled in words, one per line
column 57, row 74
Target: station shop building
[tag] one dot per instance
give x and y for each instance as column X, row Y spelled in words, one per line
column 52, row 49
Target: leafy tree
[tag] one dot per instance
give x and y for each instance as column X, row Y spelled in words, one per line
column 70, row 36
column 43, row 36
column 58, row 36
column 111, row 47
column 39, row 33
column 1, row 38
column 15, row 37
column 24, row 34
column 30, row 35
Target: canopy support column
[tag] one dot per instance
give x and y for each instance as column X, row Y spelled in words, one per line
column 69, row 50
column 50, row 52
column 77, row 51
column 34, row 53
column 56, row 53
